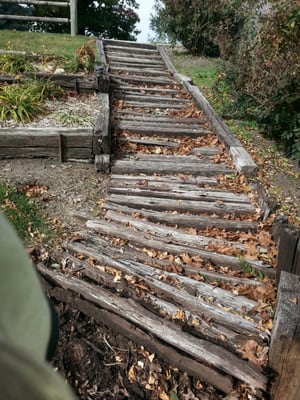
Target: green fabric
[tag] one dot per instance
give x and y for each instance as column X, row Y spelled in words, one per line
column 24, row 377
column 24, row 312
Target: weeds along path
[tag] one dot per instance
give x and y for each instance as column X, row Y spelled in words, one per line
column 181, row 261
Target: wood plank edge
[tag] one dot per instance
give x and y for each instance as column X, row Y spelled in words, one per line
column 120, row 325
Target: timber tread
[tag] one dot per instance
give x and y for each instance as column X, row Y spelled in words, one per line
column 167, row 259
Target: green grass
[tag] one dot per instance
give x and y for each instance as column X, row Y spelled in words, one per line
column 44, row 44
column 73, row 54
column 202, row 70
column 207, row 74
column 23, row 212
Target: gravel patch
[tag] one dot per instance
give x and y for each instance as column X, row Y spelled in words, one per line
column 73, row 111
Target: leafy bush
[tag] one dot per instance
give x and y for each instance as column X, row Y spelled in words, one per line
column 191, row 22
column 260, row 40
column 48, row 89
column 265, row 71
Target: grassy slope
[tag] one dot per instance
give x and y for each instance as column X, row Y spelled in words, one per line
column 50, row 44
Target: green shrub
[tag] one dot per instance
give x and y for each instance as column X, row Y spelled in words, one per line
column 72, row 119
column 191, row 22
column 265, row 72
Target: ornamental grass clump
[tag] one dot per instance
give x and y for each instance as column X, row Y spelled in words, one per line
column 22, row 102
column 15, row 64
column 70, row 118
column 48, row 90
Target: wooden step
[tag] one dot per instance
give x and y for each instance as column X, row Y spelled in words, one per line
column 199, row 222
column 138, row 71
column 186, row 206
column 140, row 79
column 130, row 115
column 150, row 167
column 166, row 130
column 115, row 59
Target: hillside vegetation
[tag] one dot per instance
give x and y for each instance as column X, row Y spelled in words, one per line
column 259, row 43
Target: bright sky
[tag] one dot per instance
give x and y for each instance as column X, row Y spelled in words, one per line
column 144, row 12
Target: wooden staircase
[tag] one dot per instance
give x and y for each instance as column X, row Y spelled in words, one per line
column 178, row 261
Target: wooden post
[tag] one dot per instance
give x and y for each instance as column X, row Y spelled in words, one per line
column 74, row 17
column 288, row 252
column 102, row 135
column 285, row 340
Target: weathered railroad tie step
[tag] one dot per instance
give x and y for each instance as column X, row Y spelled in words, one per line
column 152, row 242
column 140, row 180
column 116, row 58
column 188, row 220
column 142, row 70
column 161, row 99
column 127, row 116
column 199, row 206
column 171, row 190
column 171, row 104
column 161, row 129
column 130, row 89
column 164, row 167
column 168, row 234
column 114, row 48
column 202, row 152
column 141, row 79
column 203, row 351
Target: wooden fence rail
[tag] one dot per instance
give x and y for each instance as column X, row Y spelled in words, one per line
column 73, row 13
column 39, row 2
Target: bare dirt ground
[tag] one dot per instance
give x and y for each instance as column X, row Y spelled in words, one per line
column 101, row 364
column 68, row 186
